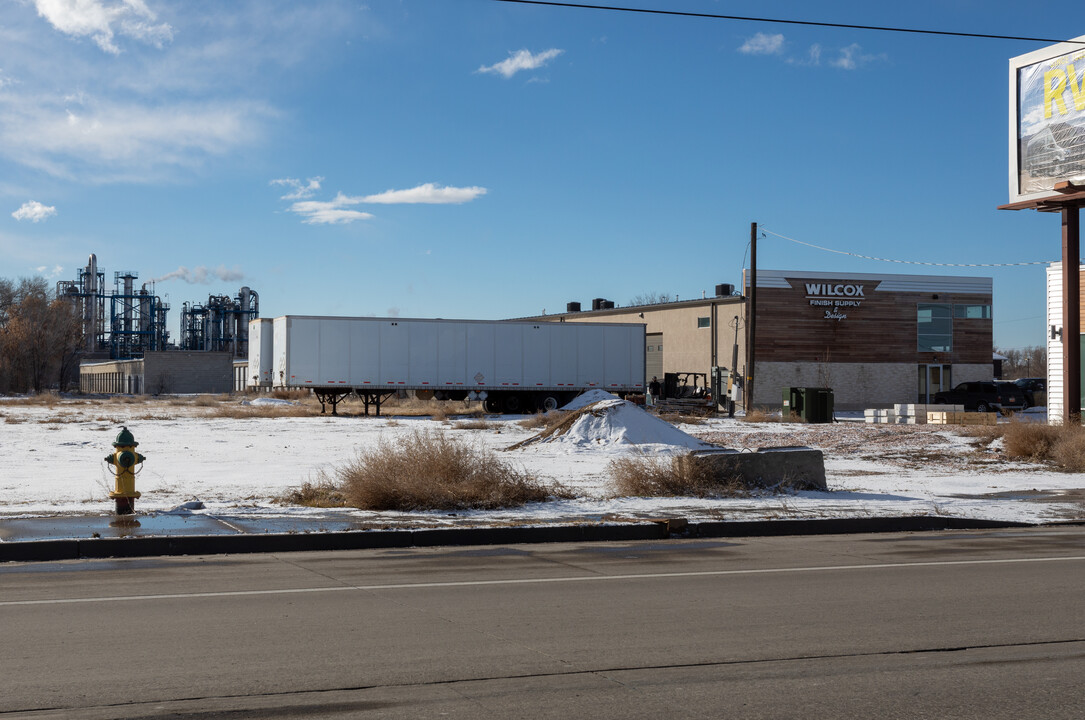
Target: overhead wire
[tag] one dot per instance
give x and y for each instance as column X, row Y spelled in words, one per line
column 903, row 262
column 782, row 21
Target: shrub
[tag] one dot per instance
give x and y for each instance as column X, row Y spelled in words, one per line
column 1062, row 445
column 428, row 470
column 761, row 415
column 645, row 476
column 323, row 493
column 1033, row 441
column 541, row 420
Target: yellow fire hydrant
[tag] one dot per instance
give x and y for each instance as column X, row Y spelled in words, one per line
column 125, row 458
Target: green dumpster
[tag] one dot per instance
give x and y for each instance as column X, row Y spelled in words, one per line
column 806, row 404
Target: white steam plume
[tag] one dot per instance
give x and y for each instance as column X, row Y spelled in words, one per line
column 202, row 275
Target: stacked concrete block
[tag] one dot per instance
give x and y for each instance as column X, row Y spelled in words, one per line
column 911, row 413
column 955, row 415
column 879, row 416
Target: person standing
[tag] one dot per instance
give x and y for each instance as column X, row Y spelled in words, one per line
column 653, row 391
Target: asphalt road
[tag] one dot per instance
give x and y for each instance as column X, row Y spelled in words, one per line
column 941, row 625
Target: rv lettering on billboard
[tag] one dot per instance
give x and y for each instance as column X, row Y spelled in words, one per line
column 1048, row 119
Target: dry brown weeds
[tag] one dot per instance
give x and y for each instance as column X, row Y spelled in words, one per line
column 761, row 415
column 429, row 470
column 323, row 493
column 647, row 476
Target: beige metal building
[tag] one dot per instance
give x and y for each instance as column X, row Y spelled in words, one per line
column 688, row 336
column 157, row 373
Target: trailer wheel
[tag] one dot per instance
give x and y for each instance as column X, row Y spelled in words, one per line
column 512, row 404
column 492, row 404
column 548, row 403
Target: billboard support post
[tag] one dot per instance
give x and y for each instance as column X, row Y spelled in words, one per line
column 1071, row 314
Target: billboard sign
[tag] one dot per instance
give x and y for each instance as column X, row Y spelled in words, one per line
column 1047, row 120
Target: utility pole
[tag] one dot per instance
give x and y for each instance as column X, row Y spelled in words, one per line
column 751, row 323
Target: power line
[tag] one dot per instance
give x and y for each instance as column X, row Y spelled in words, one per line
column 780, row 21
column 905, row 262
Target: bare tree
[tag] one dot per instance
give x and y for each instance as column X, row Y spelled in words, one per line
column 39, row 336
column 1024, row 362
column 650, row 298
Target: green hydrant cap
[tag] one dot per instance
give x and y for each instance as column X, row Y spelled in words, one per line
column 125, row 439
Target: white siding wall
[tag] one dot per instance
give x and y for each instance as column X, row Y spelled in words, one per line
column 1054, row 347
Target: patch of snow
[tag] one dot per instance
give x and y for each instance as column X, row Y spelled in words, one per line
column 589, row 398
column 616, row 421
column 266, row 401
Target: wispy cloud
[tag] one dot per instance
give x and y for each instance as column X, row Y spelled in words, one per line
column 85, row 96
column 763, row 44
column 427, row 194
column 851, row 57
column 34, row 211
column 332, row 212
column 521, row 60
column 105, row 141
column 300, row 190
column 339, row 211
column 45, row 272
column 102, row 21
column 202, row 275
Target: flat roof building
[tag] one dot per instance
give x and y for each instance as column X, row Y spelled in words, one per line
column 875, row 339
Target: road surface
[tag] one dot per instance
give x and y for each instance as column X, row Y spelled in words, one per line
column 941, row 625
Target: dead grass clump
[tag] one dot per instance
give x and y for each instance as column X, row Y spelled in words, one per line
column 1062, row 445
column 244, row 412
column 1031, row 441
column 291, row 395
column 541, row 420
column 324, row 493
column 645, row 476
column 210, row 400
column 1069, row 452
column 761, row 415
column 428, row 470
column 474, row 424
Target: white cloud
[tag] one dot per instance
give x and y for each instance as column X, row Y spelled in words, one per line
column 521, row 60
column 338, row 211
column 301, row 190
column 101, row 20
column 763, row 44
column 121, row 140
column 852, row 57
column 333, row 212
column 427, row 193
column 202, row 275
column 34, row 211
column 44, row 271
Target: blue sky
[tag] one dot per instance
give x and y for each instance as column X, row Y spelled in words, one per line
column 472, row 158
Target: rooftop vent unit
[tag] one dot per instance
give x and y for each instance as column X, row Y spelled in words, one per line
column 572, row 307
column 725, row 290
column 601, row 304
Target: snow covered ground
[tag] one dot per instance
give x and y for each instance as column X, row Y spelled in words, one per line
column 52, row 463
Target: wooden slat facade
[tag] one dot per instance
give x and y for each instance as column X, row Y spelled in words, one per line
column 879, row 326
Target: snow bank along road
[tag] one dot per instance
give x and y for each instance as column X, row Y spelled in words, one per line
column 964, row 625
column 53, row 457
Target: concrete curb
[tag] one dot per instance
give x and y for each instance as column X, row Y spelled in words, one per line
column 77, row 549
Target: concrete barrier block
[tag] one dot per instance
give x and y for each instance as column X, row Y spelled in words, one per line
column 801, row 468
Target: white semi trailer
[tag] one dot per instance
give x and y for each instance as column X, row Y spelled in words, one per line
column 510, row 366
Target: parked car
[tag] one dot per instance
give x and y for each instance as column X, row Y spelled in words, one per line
column 1034, row 390
column 983, row 396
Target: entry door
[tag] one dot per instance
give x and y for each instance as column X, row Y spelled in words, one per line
column 933, row 379
column 653, row 357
